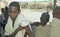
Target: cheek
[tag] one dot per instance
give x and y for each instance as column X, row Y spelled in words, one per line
column 15, row 14
column 44, row 22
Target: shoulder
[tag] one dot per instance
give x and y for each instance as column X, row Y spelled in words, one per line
column 24, row 20
column 35, row 24
column 22, row 16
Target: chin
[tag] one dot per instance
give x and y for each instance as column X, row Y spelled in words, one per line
column 43, row 24
column 12, row 18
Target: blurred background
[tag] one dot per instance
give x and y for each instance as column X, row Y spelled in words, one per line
column 32, row 9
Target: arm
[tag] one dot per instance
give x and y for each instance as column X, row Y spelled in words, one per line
column 35, row 24
column 13, row 34
column 16, row 31
column 28, row 31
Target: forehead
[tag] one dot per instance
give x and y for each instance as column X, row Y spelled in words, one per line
column 43, row 18
column 12, row 8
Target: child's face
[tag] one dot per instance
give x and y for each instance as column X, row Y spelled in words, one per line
column 44, row 21
column 13, row 12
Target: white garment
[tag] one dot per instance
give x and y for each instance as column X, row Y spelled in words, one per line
column 20, row 20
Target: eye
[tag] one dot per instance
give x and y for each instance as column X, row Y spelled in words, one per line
column 15, row 11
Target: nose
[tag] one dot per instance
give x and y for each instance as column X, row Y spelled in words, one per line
column 43, row 22
column 12, row 13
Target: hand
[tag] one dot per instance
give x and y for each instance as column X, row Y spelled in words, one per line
column 19, row 28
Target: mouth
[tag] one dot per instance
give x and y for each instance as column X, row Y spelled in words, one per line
column 12, row 17
column 43, row 24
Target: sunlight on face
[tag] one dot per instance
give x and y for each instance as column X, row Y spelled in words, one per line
column 13, row 12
